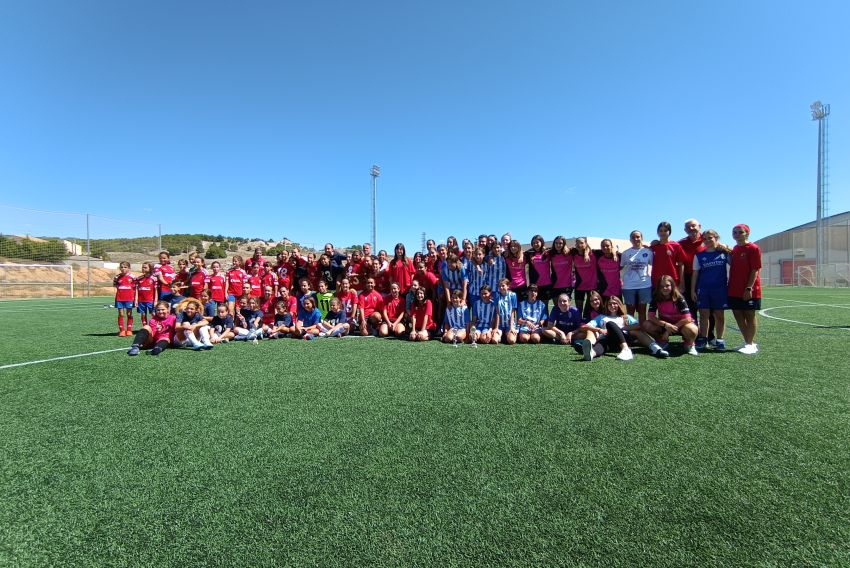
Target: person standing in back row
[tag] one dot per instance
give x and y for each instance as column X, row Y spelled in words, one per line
column 745, row 287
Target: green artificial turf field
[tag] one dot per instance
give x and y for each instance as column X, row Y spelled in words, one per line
column 378, row 452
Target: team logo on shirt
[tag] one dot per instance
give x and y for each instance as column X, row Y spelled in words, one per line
column 669, row 252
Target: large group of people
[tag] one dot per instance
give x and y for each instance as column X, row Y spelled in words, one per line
column 484, row 291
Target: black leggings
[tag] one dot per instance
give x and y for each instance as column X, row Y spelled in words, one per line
column 143, row 336
column 581, row 302
column 611, row 341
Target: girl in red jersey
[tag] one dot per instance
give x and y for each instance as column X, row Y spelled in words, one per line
column 268, row 303
column 146, row 292
column 284, row 271
column 354, row 271
column 422, row 324
column 587, row 272
column 164, row 273
column 394, row 314
column 668, row 258
column 669, row 314
column 217, row 284
column 745, row 287
column 562, row 266
column 197, row 277
column 269, row 277
column 348, row 298
column 125, row 298
column 313, row 270
column 180, row 284
column 254, row 282
column 515, row 261
column 236, row 278
column 608, row 263
column 401, row 269
column 156, row 335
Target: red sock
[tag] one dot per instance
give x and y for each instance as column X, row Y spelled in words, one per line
column 129, row 323
column 144, row 319
column 120, row 322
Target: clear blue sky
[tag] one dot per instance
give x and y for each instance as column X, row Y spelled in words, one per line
column 263, row 118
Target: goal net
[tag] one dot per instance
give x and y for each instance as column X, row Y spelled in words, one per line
column 36, row 281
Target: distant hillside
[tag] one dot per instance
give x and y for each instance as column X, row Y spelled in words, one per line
column 175, row 243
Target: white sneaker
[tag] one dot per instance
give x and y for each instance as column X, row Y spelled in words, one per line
column 587, row 350
column 750, row 349
column 625, row 355
column 692, row 350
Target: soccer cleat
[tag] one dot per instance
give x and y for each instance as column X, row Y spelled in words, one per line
column 208, row 346
column 134, row 350
column 661, row 354
column 308, row 336
column 197, row 347
column 156, row 351
column 323, row 334
column 255, row 341
column 692, row 350
column 720, row 345
column 625, row 355
column 701, row 343
column 587, row 350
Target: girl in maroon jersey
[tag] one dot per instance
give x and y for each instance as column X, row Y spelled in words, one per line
column 157, row 334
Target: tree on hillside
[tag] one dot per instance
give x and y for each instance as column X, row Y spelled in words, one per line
column 215, row 251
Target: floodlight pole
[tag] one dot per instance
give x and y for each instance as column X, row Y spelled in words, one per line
column 376, row 171
column 820, row 112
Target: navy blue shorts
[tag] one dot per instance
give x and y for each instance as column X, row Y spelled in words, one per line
column 740, row 304
column 124, row 305
column 712, row 299
column 145, row 308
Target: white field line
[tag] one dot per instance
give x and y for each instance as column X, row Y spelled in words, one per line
column 13, row 365
column 764, row 313
column 54, row 309
column 845, row 306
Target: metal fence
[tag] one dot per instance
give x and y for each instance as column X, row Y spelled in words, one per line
column 47, row 253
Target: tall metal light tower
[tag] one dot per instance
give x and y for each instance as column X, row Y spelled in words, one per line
column 820, row 112
column 376, row 171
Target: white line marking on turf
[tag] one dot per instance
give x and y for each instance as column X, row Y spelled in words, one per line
column 764, row 313
column 13, row 365
column 845, row 306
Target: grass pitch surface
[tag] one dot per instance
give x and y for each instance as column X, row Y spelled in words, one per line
column 365, row 451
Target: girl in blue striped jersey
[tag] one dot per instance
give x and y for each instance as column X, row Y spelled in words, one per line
column 507, row 314
column 485, row 318
column 456, row 322
column 531, row 316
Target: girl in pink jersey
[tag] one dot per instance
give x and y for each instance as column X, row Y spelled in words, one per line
column 669, row 315
column 587, row 277
column 562, row 266
column 608, row 262
column 156, row 335
column 515, row 261
column 539, row 268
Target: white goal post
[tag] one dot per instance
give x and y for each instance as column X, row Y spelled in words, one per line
column 36, row 281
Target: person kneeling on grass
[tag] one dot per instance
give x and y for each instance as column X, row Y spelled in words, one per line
column 612, row 331
column 669, row 314
column 157, row 333
column 192, row 330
